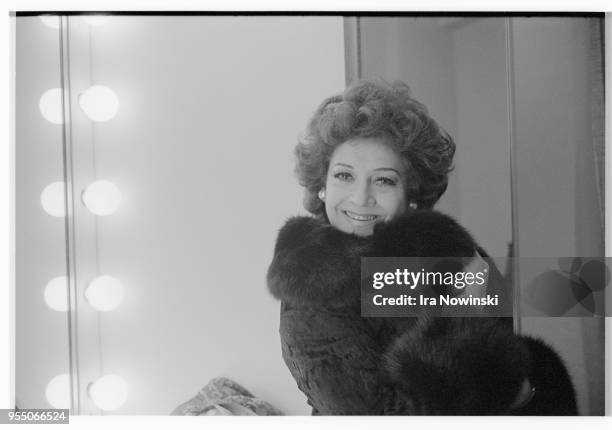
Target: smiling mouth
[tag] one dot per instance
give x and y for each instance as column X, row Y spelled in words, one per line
column 357, row 217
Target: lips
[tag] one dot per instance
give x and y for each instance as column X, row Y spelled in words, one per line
column 360, row 217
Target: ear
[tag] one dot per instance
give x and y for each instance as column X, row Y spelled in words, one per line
column 321, row 194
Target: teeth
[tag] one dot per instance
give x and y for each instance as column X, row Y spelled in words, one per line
column 360, row 217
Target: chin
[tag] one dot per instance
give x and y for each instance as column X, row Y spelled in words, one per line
column 362, row 232
column 365, row 230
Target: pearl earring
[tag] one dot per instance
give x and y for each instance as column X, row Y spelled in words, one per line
column 322, row 195
column 413, row 205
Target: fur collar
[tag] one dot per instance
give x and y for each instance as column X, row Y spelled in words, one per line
column 423, row 233
column 317, row 264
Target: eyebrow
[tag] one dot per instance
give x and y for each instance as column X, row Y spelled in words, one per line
column 387, row 168
column 375, row 170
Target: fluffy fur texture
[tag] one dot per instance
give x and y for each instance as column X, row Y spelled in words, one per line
column 474, row 366
column 423, row 233
column 315, row 263
column 554, row 393
column 348, row 364
column 459, row 366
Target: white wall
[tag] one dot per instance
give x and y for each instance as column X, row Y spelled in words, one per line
column 202, row 151
column 205, row 159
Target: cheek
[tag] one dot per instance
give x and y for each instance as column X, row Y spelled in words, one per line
column 330, row 202
column 334, row 195
column 394, row 203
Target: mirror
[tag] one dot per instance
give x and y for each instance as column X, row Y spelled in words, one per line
column 179, row 134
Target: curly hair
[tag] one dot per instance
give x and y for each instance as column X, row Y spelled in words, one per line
column 376, row 109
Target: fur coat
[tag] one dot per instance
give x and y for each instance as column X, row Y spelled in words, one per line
column 348, row 364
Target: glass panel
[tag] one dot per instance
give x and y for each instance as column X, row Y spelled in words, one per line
column 457, row 68
column 521, row 91
column 558, row 212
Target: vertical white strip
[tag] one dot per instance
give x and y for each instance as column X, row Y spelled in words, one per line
column 7, row 194
column 69, row 230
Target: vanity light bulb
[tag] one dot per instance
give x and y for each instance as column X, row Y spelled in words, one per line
column 105, row 293
column 58, row 391
column 52, row 199
column 95, row 19
column 52, row 21
column 102, row 197
column 99, row 103
column 109, row 392
column 56, row 294
column 50, row 105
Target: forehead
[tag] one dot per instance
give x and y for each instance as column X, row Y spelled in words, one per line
column 366, row 154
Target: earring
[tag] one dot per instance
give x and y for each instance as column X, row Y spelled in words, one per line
column 322, row 195
column 413, row 205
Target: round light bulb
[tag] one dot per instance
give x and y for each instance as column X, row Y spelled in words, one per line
column 109, row 392
column 50, row 105
column 56, row 294
column 58, row 391
column 52, row 21
column 95, row 19
column 52, row 199
column 99, row 103
column 102, row 197
column 104, row 293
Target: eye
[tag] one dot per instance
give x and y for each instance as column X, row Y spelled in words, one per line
column 385, row 181
column 343, row 176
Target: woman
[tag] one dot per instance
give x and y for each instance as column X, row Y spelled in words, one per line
column 373, row 163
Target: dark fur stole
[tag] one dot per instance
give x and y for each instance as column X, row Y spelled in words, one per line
column 459, row 366
column 475, row 366
column 315, row 263
column 423, row 233
column 433, row 365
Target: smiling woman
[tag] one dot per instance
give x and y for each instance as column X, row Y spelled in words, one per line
column 365, row 185
column 404, row 135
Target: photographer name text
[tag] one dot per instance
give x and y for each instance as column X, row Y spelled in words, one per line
column 442, row 300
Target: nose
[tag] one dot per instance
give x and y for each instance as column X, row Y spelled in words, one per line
column 363, row 195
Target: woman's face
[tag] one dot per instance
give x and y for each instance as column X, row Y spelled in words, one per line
column 365, row 185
